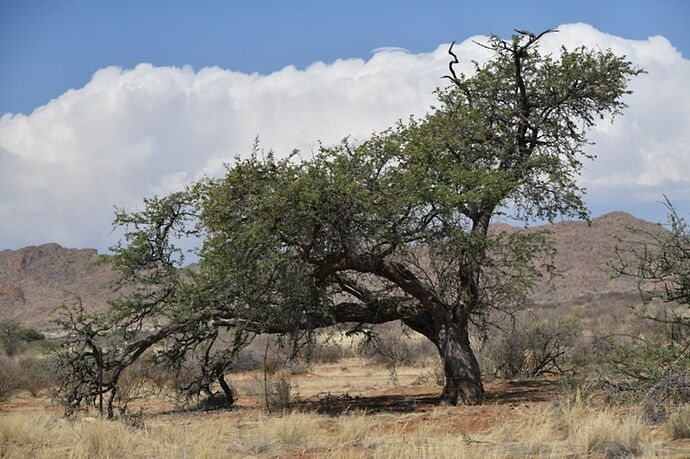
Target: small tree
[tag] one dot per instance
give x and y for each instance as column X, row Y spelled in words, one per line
column 659, row 362
column 10, row 336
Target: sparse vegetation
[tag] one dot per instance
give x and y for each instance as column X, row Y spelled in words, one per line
column 14, row 336
column 394, row 228
column 372, row 263
column 578, row 431
column 10, row 380
column 532, row 347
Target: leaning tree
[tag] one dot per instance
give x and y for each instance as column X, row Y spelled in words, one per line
column 392, row 228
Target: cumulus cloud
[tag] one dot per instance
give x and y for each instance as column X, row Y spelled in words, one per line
column 130, row 133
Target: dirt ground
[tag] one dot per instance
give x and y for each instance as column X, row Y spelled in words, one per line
column 354, row 385
column 390, row 405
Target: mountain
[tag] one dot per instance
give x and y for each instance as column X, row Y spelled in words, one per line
column 35, row 280
column 584, row 254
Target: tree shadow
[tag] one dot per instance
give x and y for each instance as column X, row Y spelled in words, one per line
column 336, row 405
column 521, row 391
column 498, row 393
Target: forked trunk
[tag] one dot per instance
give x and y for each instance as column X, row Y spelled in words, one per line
column 463, row 383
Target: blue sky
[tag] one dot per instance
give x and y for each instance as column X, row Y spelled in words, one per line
column 47, row 47
column 104, row 103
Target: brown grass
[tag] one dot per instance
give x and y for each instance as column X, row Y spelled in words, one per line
column 376, row 419
column 579, row 432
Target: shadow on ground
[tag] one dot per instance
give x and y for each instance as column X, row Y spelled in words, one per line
column 406, row 400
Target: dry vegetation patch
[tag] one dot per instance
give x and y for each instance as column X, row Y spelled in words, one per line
column 521, row 419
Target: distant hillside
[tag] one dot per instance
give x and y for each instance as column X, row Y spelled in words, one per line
column 584, row 252
column 33, row 280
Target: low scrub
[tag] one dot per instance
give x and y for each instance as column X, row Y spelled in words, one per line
column 10, row 378
column 678, row 424
column 396, row 345
column 568, row 430
column 531, row 347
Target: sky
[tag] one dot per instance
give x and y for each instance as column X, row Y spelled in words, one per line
column 104, row 103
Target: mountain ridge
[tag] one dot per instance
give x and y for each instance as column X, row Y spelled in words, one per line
column 35, row 280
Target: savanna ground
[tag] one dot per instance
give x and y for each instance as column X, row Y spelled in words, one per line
column 351, row 408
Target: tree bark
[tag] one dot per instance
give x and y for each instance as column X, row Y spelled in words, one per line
column 227, row 390
column 463, row 382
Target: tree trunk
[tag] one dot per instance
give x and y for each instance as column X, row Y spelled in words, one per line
column 227, row 390
column 463, row 381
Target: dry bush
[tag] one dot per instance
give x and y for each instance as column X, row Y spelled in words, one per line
column 136, row 383
column 279, row 393
column 328, row 352
column 531, row 347
column 28, row 372
column 395, row 345
column 36, row 374
column 10, row 378
column 298, row 357
column 678, row 423
column 672, row 388
column 247, row 360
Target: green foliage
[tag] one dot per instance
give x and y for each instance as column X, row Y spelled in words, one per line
column 13, row 335
column 660, row 260
column 392, row 228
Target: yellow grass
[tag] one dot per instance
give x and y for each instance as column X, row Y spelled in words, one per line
column 551, row 432
column 515, row 430
column 678, row 425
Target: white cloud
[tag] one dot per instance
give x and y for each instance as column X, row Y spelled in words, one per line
column 131, row 133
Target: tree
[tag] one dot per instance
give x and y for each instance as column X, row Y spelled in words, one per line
column 393, row 228
column 13, row 335
column 656, row 363
column 659, row 259
column 10, row 336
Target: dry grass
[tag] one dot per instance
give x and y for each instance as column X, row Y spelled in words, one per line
column 678, row 424
column 575, row 431
column 514, row 424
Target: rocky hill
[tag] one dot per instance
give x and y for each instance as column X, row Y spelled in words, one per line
column 35, row 280
column 584, row 253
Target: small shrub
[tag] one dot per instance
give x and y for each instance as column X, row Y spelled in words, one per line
column 678, row 424
column 134, row 420
column 246, row 360
column 29, row 334
column 393, row 347
column 278, row 393
column 35, row 374
column 10, row 380
column 135, row 383
column 670, row 388
column 328, row 352
column 531, row 348
column 13, row 336
column 604, row 433
column 576, row 388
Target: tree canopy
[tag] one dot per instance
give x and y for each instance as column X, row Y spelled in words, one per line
column 395, row 227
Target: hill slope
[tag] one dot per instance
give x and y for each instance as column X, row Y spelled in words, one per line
column 37, row 279
column 34, row 280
